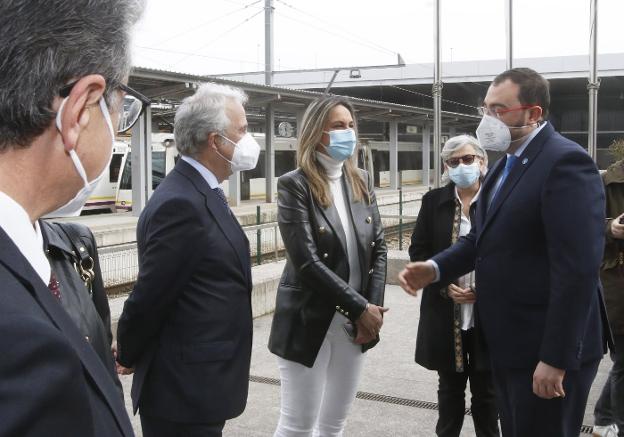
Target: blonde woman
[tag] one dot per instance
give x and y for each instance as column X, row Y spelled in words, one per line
column 329, row 306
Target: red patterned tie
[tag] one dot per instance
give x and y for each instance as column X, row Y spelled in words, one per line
column 54, row 286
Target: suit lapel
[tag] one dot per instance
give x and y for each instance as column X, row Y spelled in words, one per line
column 524, row 161
column 224, row 218
column 14, row 261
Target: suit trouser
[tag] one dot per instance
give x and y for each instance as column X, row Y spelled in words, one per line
column 451, row 398
column 610, row 405
column 159, row 427
column 523, row 414
column 316, row 401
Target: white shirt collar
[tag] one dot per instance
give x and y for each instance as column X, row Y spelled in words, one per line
column 474, row 199
column 206, row 174
column 528, row 139
column 15, row 222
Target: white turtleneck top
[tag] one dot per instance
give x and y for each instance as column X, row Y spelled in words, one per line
column 334, row 174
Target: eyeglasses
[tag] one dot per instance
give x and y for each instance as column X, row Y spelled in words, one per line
column 133, row 105
column 466, row 159
column 484, row 110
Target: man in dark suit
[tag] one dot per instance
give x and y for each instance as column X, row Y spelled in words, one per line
column 536, row 248
column 186, row 327
column 63, row 66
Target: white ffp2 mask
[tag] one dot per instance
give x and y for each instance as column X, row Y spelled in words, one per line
column 74, row 206
column 246, row 153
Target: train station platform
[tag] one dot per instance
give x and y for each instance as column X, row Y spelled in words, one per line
column 120, row 228
column 397, row 398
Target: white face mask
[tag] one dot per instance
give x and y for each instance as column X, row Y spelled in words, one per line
column 75, row 205
column 246, row 153
column 493, row 134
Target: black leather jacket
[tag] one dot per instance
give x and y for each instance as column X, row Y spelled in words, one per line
column 314, row 283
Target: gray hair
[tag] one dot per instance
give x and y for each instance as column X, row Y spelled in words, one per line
column 457, row 142
column 203, row 113
column 48, row 43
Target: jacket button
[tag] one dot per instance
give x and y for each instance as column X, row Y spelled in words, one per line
column 337, row 307
column 372, row 244
column 325, row 255
column 370, row 272
column 322, row 230
column 369, row 219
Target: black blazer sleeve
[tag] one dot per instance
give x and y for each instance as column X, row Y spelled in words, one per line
column 294, row 201
column 168, row 247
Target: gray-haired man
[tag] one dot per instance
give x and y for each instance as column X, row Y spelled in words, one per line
column 187, row 326
column 62, row 67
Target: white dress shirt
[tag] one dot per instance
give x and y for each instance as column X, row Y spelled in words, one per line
column 27, row 237
column 467, row 310
column 206, row 174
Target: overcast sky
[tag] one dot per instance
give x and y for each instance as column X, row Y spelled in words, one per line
column 222, row 36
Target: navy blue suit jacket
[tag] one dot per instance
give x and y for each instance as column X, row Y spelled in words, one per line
column 536, row 251
column 52, row 382
column 187, row 324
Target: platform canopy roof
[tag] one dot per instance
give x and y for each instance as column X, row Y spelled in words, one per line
column 167, row 89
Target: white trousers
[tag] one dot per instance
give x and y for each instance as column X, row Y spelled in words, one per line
column 316, row 401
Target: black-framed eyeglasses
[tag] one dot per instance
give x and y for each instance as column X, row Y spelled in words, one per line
column 466, row 159
column 133, row 105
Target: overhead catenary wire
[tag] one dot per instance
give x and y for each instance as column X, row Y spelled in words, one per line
column 431, row 97
column 354, row 40
column 205, row 23
column 369, row 42
column 198, row 55
column 221, row 35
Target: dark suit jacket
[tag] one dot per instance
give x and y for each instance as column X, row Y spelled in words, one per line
column 536, row 252
column 435, row 342
column 314, row 284
column 187, row 325
column 52, row 382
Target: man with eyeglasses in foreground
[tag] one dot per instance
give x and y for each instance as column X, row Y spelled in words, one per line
column 63, row 64
column 536, row 246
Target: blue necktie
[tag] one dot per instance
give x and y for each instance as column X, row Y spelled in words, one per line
column 219, row 192
column 511, row 159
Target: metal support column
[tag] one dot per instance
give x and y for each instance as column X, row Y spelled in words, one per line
column 426, row 151
column 269, row 116
column 269, row 152
column 509, row 33
column 268, row 42
column 141, row 161
column 593, row 84
column 437, row 100
column 394, row 155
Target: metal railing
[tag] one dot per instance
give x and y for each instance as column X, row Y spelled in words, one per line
column 119, row 264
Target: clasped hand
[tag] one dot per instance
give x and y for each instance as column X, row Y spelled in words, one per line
column 369, row 324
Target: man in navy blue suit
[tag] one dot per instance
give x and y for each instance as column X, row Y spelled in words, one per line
column 536, row 246
column 63, row 67
column 186, row 327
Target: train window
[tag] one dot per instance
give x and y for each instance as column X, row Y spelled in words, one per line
column 115, row 166
column 158, row 168
column 126, row 177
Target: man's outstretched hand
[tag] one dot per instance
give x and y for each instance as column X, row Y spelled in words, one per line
column 415, row 276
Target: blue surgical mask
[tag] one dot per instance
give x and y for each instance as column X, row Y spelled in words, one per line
column 341, row 144
column 465, row 175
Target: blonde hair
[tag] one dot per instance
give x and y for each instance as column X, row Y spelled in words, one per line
column 313, row 123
